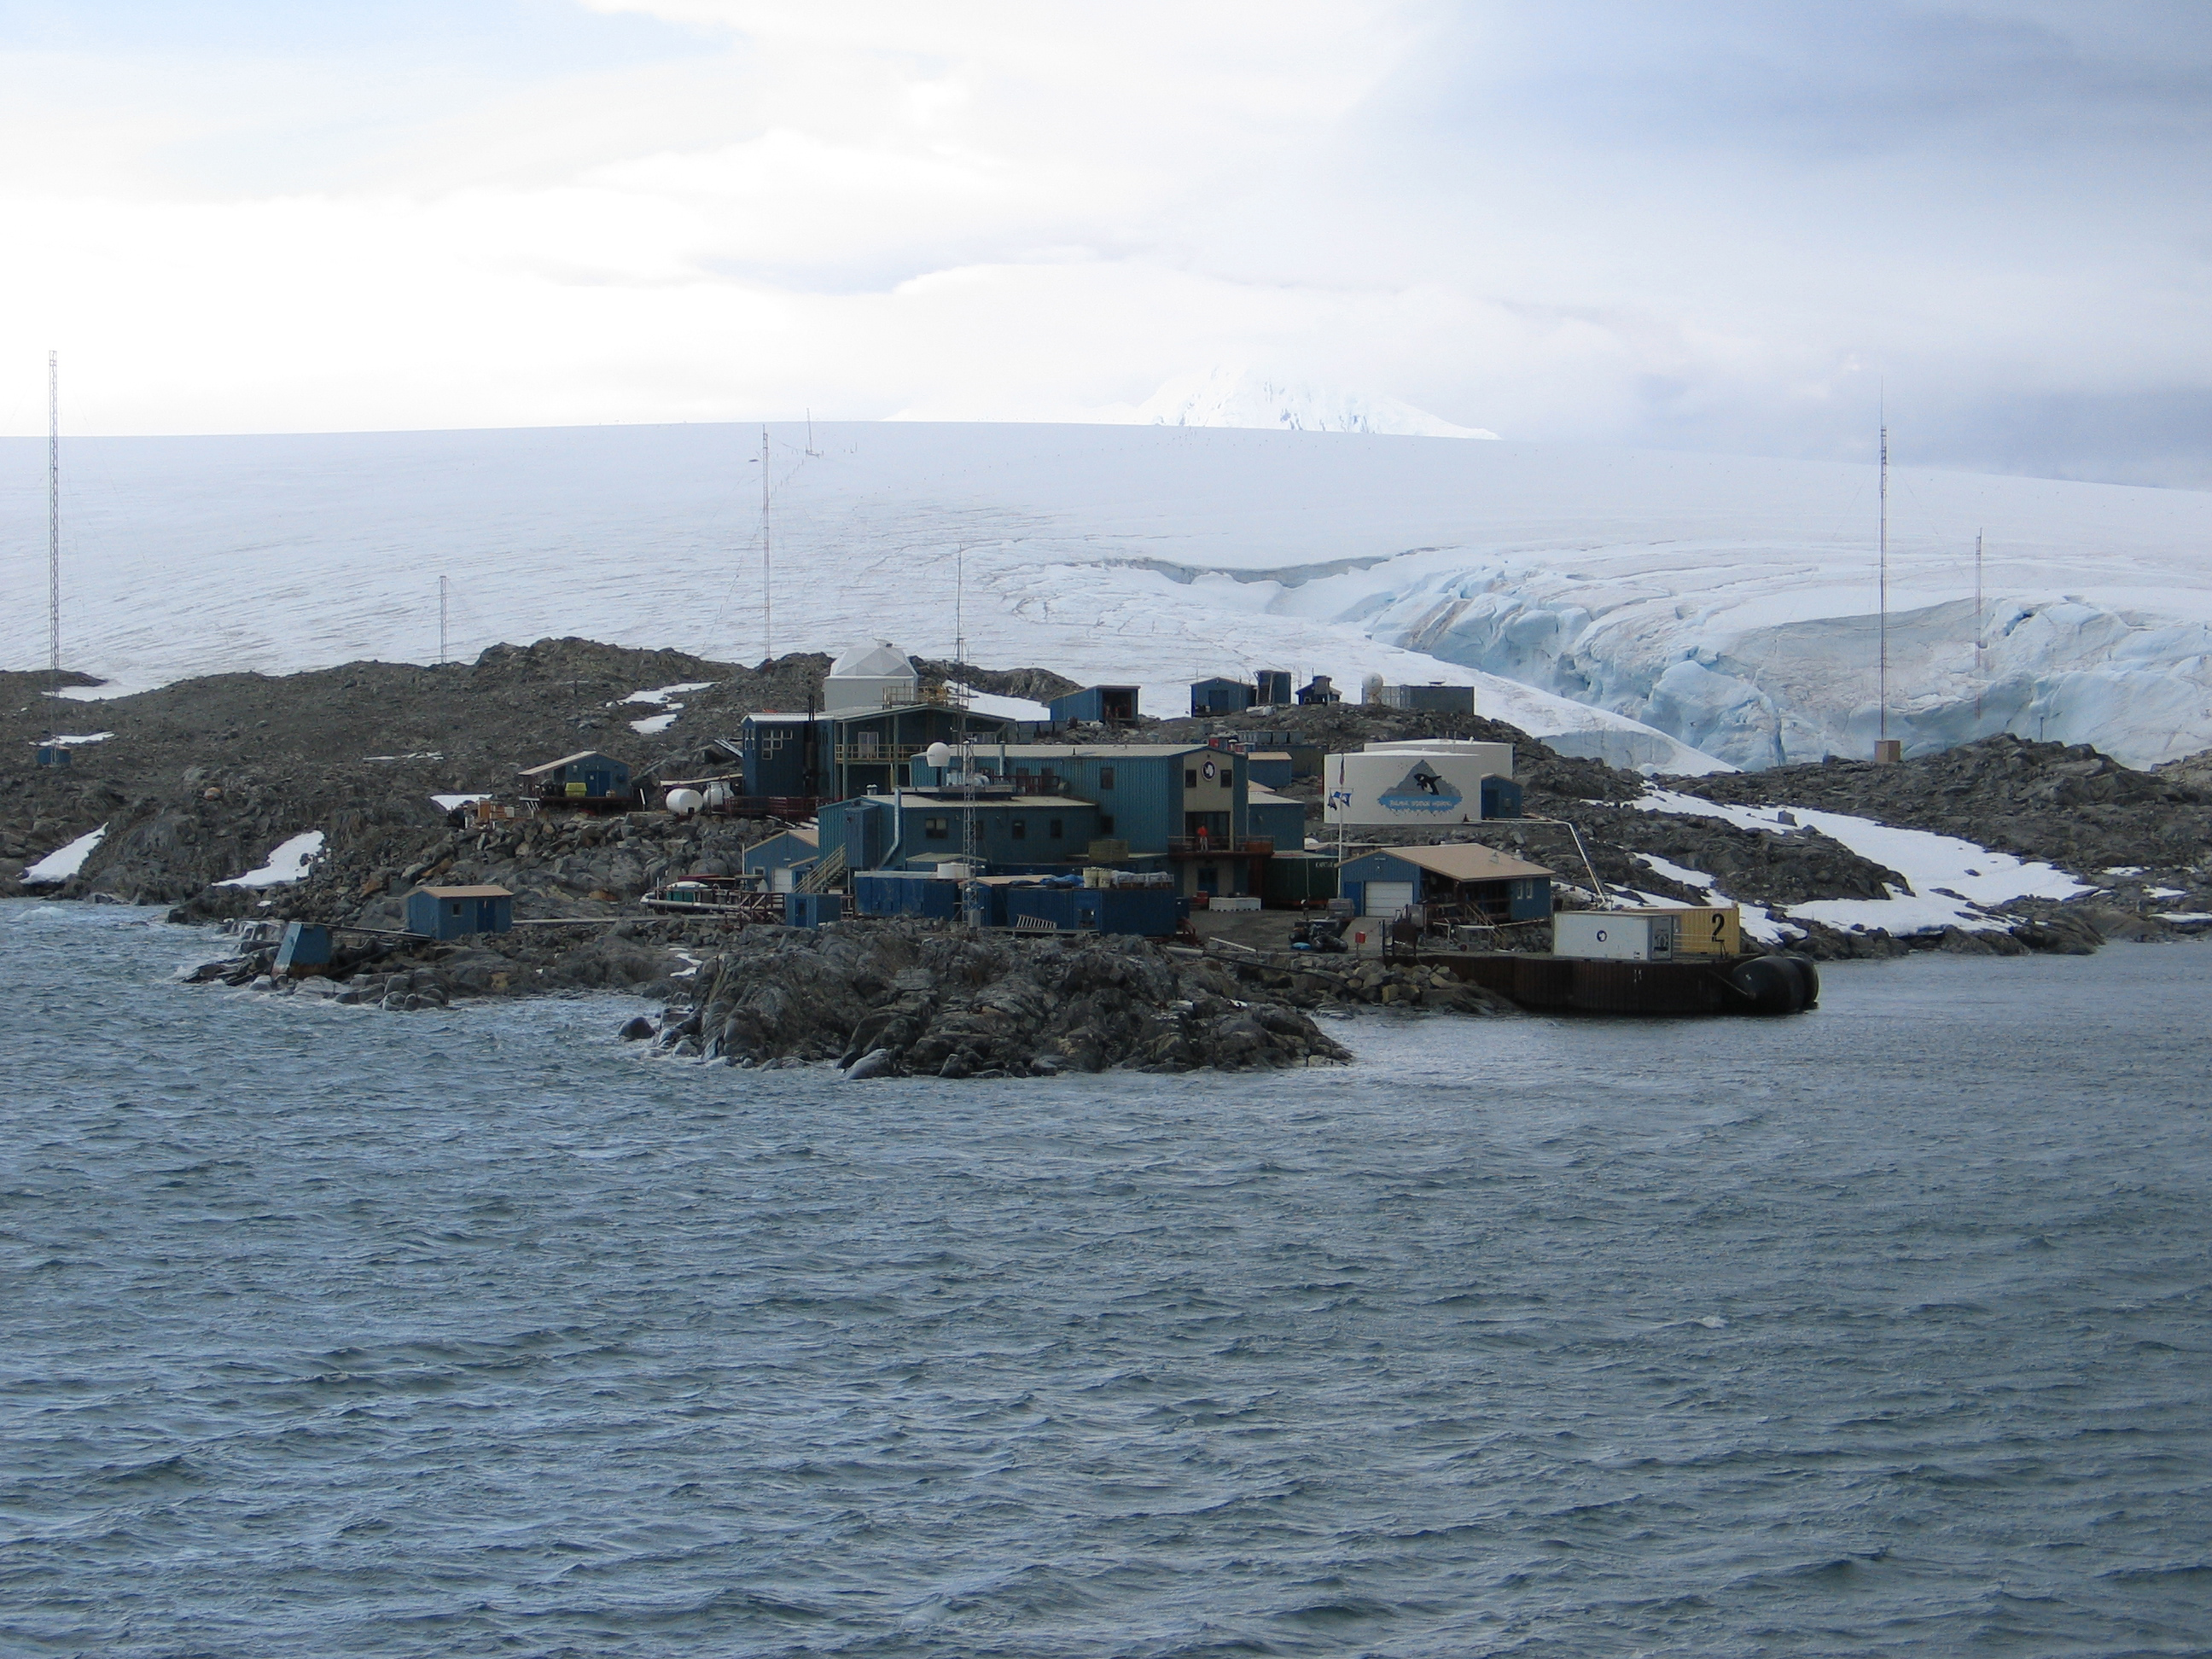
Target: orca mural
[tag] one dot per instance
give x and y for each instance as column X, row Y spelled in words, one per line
column 1424, row 789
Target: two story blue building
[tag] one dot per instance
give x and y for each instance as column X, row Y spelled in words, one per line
column 1184, row 807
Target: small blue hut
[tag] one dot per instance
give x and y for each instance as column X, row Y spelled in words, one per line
column 457, row 912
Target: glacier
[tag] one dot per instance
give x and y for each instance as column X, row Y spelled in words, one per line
column 1677, row 612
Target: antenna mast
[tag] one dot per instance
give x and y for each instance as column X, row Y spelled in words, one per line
column 442, row 622
column 1881, row 672
column 1980, row 631
column 54, row 518
column 767, row 584
column 971, row 840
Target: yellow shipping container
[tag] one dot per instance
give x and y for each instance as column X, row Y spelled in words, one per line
column 1712, row 930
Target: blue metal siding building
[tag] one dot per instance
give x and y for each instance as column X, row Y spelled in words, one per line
column 586, row 775
column 457, row 912
column 1489, row 885
column 1187, row 803
column 1097, row 704
column 896, row 830
column 1220, row 696
column 1281, row 821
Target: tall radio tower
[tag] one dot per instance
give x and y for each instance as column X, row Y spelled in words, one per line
column 54, row 517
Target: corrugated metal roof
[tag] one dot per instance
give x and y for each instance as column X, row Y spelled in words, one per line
column 465, row 893
column 1465, row 860
column 568, row 760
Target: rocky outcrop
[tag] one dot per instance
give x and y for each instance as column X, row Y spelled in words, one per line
column 893, row 999
column 901, row 998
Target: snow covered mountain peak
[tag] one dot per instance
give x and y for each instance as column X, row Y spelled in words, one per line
column 1227, row 395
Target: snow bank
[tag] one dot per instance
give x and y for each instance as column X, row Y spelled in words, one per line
column 287, row 862
column 1013, row 709
column 64, row 861
column 1949, row 883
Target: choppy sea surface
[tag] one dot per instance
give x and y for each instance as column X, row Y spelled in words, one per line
column 1882, row 1329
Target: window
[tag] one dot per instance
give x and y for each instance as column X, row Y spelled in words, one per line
column 1190, row 777
column 1018, row 828
column 1052, row 829
column 1105, row 777
column 933, row 830
column 1105, row 823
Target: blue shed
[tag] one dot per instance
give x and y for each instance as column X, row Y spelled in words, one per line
column 457, row 912
column 1269, row 771
column 585, row 775
column 306, row 946
column 1100, row 705
column 53, row 754
column 1501, row 797
column 812, row 909
column 1220, row 696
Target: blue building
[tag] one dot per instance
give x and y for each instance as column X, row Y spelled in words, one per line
column 1181, row 806
column 1097, row 705
column 457, row 912
column 1271, row 688
column 838, row 756
column 777, row 862
column 922, row 827
column 1482, row 884
column 1271, row 770
column 1220, row 696
column 585, row 776
column 1278, row 817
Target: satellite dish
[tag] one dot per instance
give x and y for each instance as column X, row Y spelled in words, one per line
column 938, row 754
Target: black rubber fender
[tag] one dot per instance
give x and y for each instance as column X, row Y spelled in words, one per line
column 1809, row 976
column 1769, row 985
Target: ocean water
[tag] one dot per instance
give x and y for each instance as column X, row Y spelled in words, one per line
column 1880, row 1330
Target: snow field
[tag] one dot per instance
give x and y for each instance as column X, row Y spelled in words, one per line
column 1950, row 883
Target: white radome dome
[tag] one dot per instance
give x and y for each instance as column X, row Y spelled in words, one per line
column 877, row 659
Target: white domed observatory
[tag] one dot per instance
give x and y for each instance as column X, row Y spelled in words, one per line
column 870, row 677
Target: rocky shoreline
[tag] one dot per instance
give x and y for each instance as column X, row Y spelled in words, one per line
column 899, row 998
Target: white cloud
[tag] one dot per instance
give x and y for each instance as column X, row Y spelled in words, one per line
column 1714, row 227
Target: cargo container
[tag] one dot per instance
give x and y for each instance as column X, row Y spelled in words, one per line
column 1614, row 935
column 1709, row 930
column 893, row 893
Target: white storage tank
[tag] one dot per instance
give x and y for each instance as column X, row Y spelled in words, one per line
column 1614, row 935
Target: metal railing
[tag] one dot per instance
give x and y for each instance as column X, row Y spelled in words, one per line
column 1221, row 846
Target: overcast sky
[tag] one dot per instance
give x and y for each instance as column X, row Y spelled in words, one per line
column 1708, row 225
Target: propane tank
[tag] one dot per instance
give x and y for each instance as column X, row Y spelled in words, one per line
column 684, row 802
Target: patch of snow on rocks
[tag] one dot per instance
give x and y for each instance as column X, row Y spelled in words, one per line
column 288, row 863
column 65, row 861
column 1949, row 883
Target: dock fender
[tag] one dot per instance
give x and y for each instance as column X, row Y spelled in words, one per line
column 1809, row 977
column 1769, row 985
